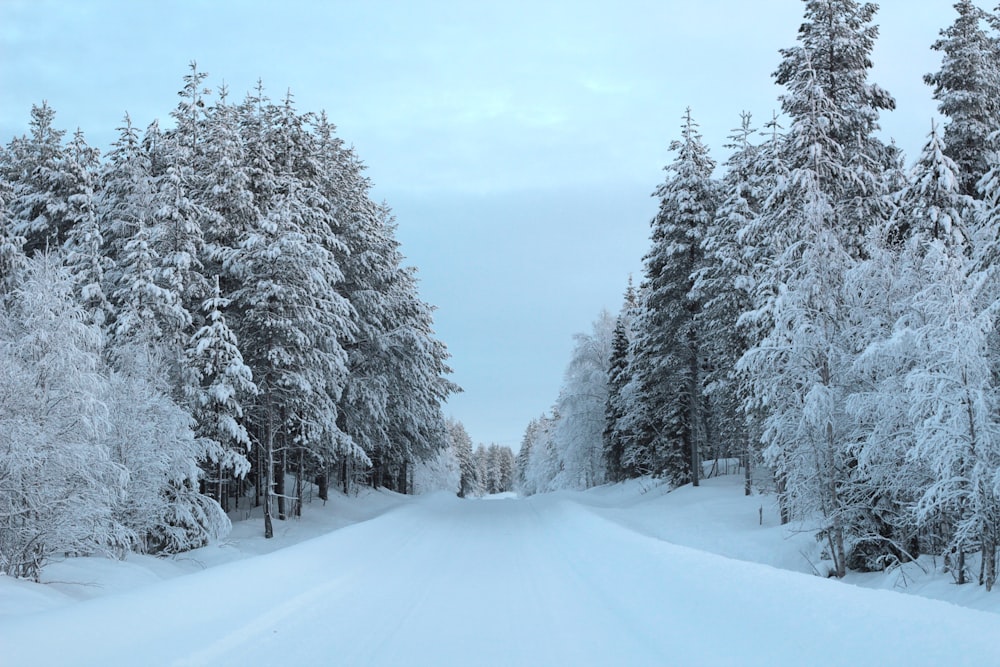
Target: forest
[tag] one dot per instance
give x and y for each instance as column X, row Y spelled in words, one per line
column 210, row 317
column 820, row 308
column 215, row 316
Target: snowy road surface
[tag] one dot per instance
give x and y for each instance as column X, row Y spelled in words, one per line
column 543, row 581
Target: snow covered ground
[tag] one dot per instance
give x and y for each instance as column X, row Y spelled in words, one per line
column 621, row 575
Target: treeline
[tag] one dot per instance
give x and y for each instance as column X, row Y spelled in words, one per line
column 194, row 318
column 819, row 310
column 466, row 471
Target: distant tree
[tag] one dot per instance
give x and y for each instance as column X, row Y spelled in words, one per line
column 544, row 463
column 440, row 473
column 461, row 444
column 582, row 402
column 619, row 403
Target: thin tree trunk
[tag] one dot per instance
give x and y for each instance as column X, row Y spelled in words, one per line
column 747, row 475
column 402, row 481
column 218, row 486
column 259, row 470
column 268, row 471
column 279, row 482
column 693, row 416
column 781, row 486
column 323, row 482
column 989, row 559
column 298, row 485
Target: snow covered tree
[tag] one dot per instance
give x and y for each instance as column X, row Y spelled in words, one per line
column 125, row 192
column 953, row 405
column 38, row 205
column 967, row 88
column 933, row 206
column 85, row 254
column 582, row 401
column 151, row 437
column 58, row 483
column 220, row 384
column 11, row 244
column 667, row 356
column 723, row 284
column 834, row 55
column 620, row 399
column 440, row 473
column 401, row 366
column 799, row 374
column 461, row 444
column 281, row 295
column 544, row 463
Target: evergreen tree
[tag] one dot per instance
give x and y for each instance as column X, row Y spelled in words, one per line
column 619, row 403
column 667, row 356
column 38, row 205
column 220, row 384
column 967, row 88
column 544, row 464
column 461, row 443
column 11, row 244
column 723, row 284
column 84, row 240
column 933, row 206
column 834, row 55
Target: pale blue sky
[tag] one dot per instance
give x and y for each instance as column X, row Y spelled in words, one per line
column 518, row 142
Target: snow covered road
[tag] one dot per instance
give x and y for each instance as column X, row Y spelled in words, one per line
column 543, row 581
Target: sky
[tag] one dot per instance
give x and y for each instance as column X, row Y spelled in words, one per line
column 518, row 142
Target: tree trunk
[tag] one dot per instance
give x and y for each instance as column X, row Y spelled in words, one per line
column 323, row 483
column 300, row 471
column 693, row 415
column 781, row 486
column 218, row 487
column 268, row 471
column 259, row 470
column 747, row 475
column 403, row 478
column 989, row 561
column 279, row 483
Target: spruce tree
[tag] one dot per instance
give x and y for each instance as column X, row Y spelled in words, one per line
column 723, row 284
column 667, row 356
column 967, row 88
column 38, row 205
column 620, row 402
column 836, row 39
column 85, row 254
column 219, row 386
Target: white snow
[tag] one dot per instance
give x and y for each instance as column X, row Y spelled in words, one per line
column 620, row 575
